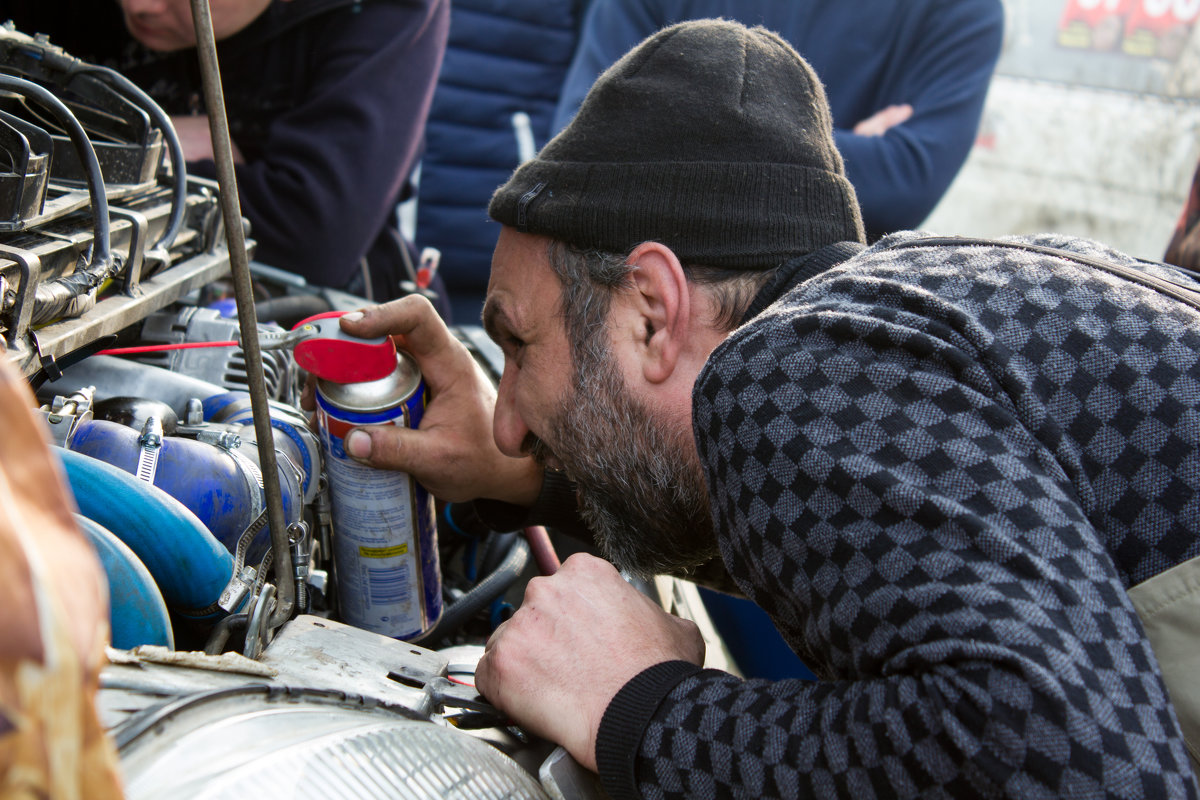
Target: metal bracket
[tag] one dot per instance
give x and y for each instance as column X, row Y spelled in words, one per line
column 31, row 269
column 259, row 615
column 139, row 226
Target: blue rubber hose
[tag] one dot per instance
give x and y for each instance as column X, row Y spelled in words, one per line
column 206, row 479
column 187, row 562
column 137, row 611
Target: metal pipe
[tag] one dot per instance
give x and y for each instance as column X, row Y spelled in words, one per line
column 543, row 549
column 235, row 238
column 221, row 632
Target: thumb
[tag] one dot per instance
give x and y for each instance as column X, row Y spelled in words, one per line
column 399, row 317
column 386, row 447
column 417, row 453
column 358, row 445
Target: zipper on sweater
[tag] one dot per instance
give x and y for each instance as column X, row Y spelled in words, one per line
column 1188, row 295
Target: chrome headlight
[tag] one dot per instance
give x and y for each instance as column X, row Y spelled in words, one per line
column 265, row 741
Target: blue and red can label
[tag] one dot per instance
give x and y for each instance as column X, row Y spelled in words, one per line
column 385, row 537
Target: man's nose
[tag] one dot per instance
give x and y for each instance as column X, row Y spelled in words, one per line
column 508, row 428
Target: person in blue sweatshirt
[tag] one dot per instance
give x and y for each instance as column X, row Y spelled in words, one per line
column 906, row 81
column 493, row 108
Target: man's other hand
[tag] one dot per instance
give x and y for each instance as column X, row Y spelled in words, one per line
column 196, row 140
column 878, row 123
column 578, row 637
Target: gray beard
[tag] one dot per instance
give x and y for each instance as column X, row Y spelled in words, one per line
column 641, row 491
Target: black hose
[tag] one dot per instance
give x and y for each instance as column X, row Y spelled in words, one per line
column 71, row 295
column 494, row 551
column 290, row 309
column 174, row 146
column 483, row 593
column 101, row 254
column 221, row 633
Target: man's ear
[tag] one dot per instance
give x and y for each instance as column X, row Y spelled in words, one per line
column 659, row 311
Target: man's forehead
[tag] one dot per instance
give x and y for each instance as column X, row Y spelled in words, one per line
column 522, row 287
column 518, row 252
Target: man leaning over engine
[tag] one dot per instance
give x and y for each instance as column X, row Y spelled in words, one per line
column 939, row 466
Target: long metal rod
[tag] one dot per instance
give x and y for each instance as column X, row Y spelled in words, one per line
column 235, row 238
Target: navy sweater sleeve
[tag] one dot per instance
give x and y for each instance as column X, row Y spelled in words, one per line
column 330, row 169
column 944, row 74
column 914, row 468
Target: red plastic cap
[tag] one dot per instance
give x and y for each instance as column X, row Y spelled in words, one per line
column 334, row 355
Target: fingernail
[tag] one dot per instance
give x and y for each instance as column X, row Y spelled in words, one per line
column 358, row 445
column 353, row 316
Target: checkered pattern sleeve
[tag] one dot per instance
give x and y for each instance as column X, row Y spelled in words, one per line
column 938, row 470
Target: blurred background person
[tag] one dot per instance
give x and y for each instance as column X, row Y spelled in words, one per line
column 906, row 81
column 493, row 109
column 326, row 99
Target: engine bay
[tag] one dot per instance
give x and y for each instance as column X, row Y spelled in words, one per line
column 118, row 309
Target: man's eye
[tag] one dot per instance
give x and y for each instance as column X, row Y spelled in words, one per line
column 513, row 344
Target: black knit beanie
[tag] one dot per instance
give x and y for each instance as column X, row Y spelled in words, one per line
column 710, row 137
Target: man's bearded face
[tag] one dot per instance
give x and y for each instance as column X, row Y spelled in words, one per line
column 641, row 492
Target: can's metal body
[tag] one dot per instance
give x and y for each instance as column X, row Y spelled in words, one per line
column 385, row 538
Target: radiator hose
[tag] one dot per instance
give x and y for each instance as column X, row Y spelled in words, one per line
column 187, row 562
column 483, row 593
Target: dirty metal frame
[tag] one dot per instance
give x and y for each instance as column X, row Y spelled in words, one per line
column 239, row 264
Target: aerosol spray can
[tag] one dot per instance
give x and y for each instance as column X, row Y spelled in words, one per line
column 385, row 539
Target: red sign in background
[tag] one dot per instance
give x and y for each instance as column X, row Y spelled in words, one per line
column 1149, row 28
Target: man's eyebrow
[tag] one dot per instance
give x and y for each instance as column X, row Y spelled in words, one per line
column 494, row 319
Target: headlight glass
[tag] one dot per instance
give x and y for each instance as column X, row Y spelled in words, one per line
column 311, row 749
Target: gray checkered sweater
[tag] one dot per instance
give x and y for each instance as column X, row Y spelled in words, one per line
column 938, row 468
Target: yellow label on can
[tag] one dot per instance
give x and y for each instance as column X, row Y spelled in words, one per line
column 383, row 552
